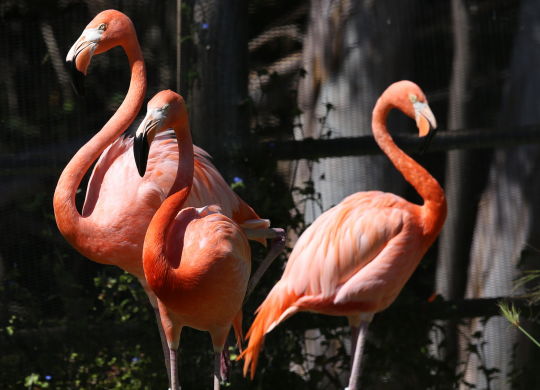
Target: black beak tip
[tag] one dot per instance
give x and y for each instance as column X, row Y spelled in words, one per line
column 140, row 152
column 427, row 140
column 77, row 78
column 141, row 170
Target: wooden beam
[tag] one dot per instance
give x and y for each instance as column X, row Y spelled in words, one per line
column 310, row 148
column 59, row 154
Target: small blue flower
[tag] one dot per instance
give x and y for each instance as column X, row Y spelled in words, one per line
column 237, row 179
column 204, row 26
column 48, row 377
column 134, row 360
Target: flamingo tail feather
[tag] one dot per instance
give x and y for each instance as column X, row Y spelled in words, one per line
column 276, row 307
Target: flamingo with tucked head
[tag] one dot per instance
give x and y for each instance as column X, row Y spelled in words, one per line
column 119, row 202
column 356, row 257
column 196, row 261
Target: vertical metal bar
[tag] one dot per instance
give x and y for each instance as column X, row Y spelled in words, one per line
column 178, row 43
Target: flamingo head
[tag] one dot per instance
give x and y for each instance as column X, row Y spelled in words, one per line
column 409, row 98
column 108, row 29
column 165, row 110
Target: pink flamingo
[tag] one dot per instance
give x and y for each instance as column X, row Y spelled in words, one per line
column 119, row 203
column 356, row 257
column 196, row 261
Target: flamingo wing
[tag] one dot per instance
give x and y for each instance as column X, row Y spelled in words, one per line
column 107, row 161
column 115, row 179
column 209, row 187
column 343, row 241
column 116, row 169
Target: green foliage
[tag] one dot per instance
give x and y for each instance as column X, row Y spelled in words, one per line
column 32, row 381
column 512, row 315
column 121, row 297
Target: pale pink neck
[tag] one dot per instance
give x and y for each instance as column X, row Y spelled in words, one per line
column 69, row 220
column 157, row 263
column 434, row 208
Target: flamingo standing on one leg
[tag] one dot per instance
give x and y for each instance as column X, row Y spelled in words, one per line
column 119, row 203
column 196, row 261
column 356, row 257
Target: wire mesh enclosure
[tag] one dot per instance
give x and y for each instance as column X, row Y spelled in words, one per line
column 281, row 94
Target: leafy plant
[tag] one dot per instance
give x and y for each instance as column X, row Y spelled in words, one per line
column 510, row 312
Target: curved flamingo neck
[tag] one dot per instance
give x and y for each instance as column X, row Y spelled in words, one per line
column 160, row 262
column 434, row 208
column 71, row 224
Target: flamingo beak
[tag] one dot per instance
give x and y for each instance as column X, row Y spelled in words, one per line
column 426, row 123
column 143, row 138
column 79, row 57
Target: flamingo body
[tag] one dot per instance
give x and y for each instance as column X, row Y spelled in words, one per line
column 210, row 257
column 116, row 194
column 119, row 203
column 196, row 261
column 356, row 257
column 366, row 236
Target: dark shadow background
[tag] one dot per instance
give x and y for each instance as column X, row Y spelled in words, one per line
column 66, row 322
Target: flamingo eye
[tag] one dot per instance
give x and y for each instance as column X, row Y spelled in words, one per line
column 413, row 98
column 165, row 108
column 102, row 27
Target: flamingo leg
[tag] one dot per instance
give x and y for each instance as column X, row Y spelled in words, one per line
column 171, row 330
column 217, row 370
column 354, row 338
column 277, row 244
column 164, row 346
column 173, row 353
column 358, row 348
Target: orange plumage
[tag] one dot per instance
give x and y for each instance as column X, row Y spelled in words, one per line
column 119, row 203
column 356, row 257
column 196, row 261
